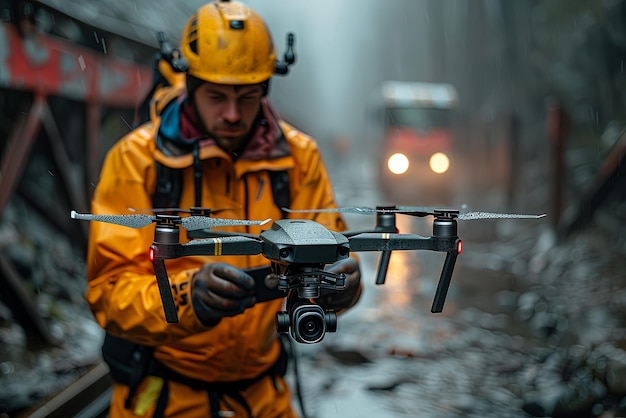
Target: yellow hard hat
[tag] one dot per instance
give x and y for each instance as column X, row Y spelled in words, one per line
column 226, row 42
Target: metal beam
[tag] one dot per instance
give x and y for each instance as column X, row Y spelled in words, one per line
column 17, row 149
column 75, row 193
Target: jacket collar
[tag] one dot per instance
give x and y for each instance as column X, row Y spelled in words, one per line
column 180, row 127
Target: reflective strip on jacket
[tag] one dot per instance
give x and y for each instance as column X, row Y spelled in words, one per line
column 122, row 290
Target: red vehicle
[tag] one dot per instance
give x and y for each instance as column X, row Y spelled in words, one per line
column 418, row 158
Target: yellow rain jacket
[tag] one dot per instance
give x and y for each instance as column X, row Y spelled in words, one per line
column 122, row 290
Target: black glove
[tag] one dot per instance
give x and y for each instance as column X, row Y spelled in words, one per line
column 330, row 299
column 219, row 290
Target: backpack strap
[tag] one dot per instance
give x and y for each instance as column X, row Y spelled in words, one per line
column 128, row 362
column 280, row 190
column 169, row 186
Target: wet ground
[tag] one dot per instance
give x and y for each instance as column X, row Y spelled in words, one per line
column 531, row 326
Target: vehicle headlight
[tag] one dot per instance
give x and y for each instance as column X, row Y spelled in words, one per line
column 439, row 162
column 398, row 163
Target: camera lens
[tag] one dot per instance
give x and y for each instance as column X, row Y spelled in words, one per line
column 309, row 324
column 311, row 327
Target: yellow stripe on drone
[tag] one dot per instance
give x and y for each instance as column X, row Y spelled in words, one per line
column 385, row 235
column 218, row 246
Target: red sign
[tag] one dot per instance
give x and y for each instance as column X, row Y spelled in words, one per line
column 49, row 66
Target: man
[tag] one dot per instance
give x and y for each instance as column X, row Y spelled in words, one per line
column 219, row 130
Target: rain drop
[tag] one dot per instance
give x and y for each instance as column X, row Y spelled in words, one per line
column 125, row 122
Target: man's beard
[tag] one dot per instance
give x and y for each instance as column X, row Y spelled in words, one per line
column 233, row 145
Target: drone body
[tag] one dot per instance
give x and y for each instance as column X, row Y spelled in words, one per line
column 300, row 241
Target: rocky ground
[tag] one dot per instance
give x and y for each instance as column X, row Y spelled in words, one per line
column 553, row 348
column 30, row 372
column 533, row 326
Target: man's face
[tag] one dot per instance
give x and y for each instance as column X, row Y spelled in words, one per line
column 228, row 112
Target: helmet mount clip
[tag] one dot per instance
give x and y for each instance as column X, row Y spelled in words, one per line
column 282, row 67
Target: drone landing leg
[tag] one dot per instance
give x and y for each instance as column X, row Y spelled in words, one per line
column 169, row 308
column 444, row 281
column 383, row 266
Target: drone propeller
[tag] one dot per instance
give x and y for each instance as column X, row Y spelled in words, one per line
column 195, row 223
column 420, row 211
column 191, row 223
column 353, row 209
column 462, row 213
column 467, row 216
column 196, row 210
column 132, row 221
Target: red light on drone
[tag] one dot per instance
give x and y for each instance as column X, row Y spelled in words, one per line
column 151, row 254
column 459, row 247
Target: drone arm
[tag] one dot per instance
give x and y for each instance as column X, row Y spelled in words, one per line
column 373, row 241
column 444, row 280
column 235, row 245
column 387, row 242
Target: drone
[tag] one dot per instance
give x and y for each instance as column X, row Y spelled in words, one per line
column 298, row 251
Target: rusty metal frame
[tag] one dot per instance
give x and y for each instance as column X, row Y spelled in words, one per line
column 16, row 154
column 17, row 150
column 46, row 66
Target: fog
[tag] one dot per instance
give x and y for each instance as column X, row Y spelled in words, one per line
column 506, row 59
column 344, row 51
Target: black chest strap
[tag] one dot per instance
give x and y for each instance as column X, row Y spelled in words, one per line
column 280, row 190
column 169, row 188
